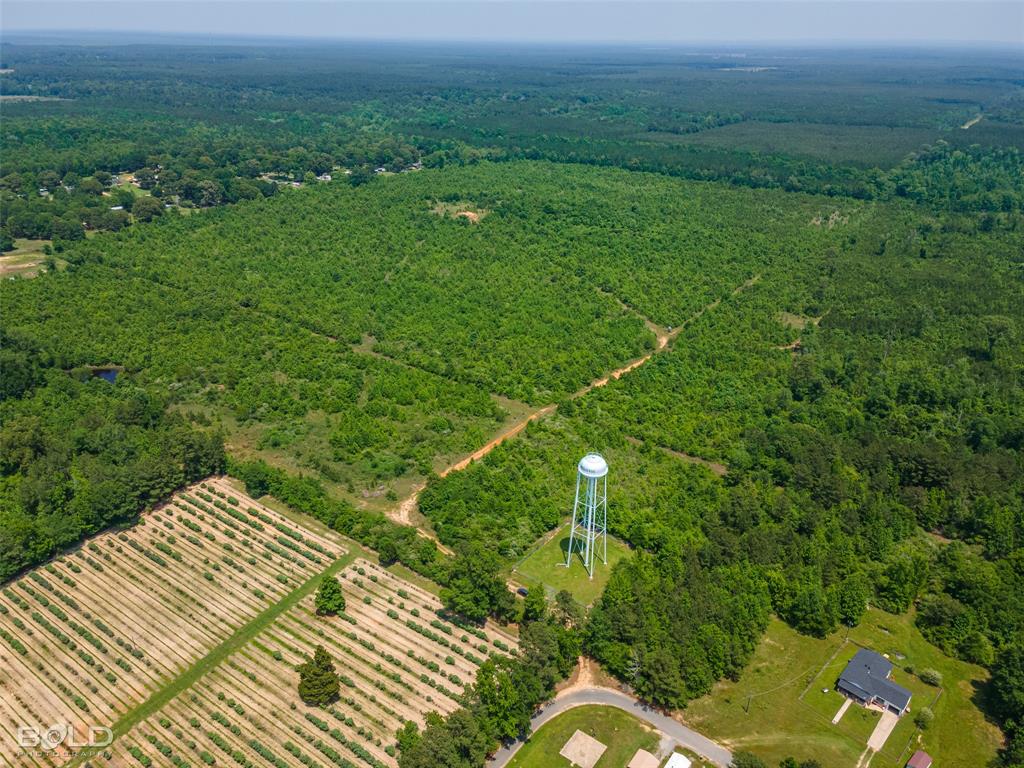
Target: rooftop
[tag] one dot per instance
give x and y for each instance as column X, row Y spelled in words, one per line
column 593, row 465
column 644, row 759
column 678, row 761
column 869, row 672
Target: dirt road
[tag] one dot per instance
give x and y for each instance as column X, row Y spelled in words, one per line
column 402, row 513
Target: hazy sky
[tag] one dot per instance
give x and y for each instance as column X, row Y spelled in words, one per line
column 977, row 21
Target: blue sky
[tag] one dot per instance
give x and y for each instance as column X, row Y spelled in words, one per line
column 767, row 21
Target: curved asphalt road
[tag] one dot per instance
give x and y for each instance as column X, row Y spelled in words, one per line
column 607, row 697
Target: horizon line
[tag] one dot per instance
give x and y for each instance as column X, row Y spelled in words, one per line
column 797, row 43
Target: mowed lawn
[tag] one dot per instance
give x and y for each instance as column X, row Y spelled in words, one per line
column 546, row 565
column 778, row 707
column 619, row 731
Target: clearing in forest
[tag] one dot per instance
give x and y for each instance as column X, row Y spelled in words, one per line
column 460, row 209
column 546, row 566
column 786, row 696
column 25, row 260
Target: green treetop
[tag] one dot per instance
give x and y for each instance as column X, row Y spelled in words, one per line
column 330, row 600
column 318, row 684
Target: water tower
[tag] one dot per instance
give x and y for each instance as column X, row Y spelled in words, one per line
column 590, row 512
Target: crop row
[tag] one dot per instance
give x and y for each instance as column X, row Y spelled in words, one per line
column 247, row 711
column 98, row 630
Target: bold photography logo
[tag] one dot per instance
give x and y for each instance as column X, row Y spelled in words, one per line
column 64, row 735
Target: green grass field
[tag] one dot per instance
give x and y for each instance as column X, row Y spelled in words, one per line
column 546, row 565
column 622, row 733
column 25, row 260
column 778, row 709
column 136, row 191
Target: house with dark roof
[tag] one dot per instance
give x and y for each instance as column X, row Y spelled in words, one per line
column 866, row 679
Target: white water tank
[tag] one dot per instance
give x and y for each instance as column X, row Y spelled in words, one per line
column 593, row 465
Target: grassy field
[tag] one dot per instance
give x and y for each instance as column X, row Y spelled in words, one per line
column 546, row 565
column 622, row 733
column 136, row 191
column 778, row 707
column 25, row 260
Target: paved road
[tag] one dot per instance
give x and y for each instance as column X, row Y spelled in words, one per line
column 686, row 737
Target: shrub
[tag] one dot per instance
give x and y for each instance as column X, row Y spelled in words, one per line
column 923, row 719
column 930, row 676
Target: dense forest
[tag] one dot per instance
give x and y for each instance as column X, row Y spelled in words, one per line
column 795, row 120
column 839, row 422
column 896, row 416
column 79, row 455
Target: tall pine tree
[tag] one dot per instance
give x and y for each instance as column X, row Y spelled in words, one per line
column 330, row 600
column 318, row 684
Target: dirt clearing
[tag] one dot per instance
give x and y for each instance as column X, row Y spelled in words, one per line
column 461, row 209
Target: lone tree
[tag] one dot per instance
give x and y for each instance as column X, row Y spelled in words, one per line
column 318, row 685
column 330, row 600
column 147, row 208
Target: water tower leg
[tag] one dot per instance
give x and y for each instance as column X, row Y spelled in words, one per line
column 572, row 526
column 591, row 524
column 604, row 520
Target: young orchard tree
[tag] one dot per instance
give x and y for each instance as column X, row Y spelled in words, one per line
column 330, row 600
column 318, row 683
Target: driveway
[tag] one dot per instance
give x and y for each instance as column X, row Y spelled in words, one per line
column 881, row 733
column 608, row 697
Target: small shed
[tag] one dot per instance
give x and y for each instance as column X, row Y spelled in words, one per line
column 644, row 759
column 678, row 761
column 920, row 759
